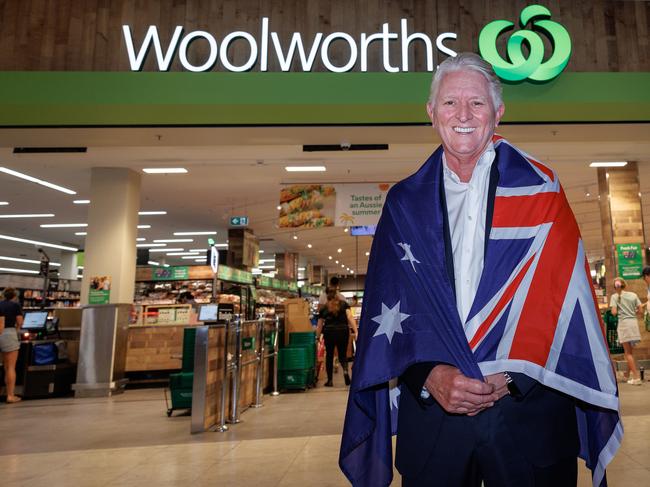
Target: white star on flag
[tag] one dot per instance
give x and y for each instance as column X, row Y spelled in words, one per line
column 390, row 321
column 408, row 255
column 393, row 394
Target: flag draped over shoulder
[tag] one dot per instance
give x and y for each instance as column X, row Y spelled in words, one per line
column 534, row 312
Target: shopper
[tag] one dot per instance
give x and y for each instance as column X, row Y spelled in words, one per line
column 335, row 322
column 646, row 277
column 12, row 313
column 335, row 283
column 626, row 305
column 478, row 300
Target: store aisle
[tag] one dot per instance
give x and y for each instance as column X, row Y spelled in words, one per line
column 292, row 441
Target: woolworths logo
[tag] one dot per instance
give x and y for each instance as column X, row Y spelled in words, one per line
column 519, row 66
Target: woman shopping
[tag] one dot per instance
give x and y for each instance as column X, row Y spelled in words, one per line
column 335, row 321
column 12, row 314
column 626, row 305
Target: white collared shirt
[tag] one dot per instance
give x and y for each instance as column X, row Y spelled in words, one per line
column 467, row 207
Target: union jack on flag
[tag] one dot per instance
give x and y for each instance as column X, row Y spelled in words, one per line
column 534, row 312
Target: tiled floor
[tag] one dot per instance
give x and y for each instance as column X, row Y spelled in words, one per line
column 292, row 441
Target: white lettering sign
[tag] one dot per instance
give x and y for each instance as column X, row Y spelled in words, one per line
column 306, row 49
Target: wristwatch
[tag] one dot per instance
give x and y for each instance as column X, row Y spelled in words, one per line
column 512, row 387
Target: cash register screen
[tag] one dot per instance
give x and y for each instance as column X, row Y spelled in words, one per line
column 34, row 320
column 208, row 312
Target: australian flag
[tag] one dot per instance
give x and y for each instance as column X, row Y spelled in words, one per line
column 534, row 312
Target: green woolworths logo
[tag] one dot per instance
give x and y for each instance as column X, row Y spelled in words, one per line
column 532, row 67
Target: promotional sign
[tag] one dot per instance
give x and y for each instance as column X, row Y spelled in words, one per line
column 342, row 205
column 630, row 260
column 100, row 290
column 177, row 273
column 238, row 221
column 231, row 274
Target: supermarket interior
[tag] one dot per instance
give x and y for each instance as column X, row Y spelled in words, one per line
column 170, row 234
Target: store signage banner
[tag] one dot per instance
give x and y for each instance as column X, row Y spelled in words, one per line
column 231, row 274
column 177, row 273
column 100, row 290
column 630, row 260
column 342, row 205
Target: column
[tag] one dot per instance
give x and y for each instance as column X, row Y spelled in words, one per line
column 110, row 250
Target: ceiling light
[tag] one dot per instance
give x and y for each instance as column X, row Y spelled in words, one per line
column 266, row 267
column 305, row 168
column 329, row 257
column 144, row 246
column 336, row 261
column 35, row 180
column 179, row 249
column 185, row 252
column 351, row 272
column 27, row 261
column 221, row 246
column 140, row 239
column 64, row 225
column 11, row 269
column 194, row 233
column 343, row 265
column 148, row 213
column 4, row 203
column 279, row 207
column 339, row 250
column 165, row 170
column 608, row 164
column 29, row 215
column 144, row 227
column 153, row 262
column 367, row 254
column 81, row 202
column 266, row 260
column 197, row 250
column 193, row 257
column 36, row 242
column 295, row 237
column 80, row 267
column 165, row 265
column 81, row 233
column 202, row 259
column 345, row 229
column 309, row 246
column 174, row 240
column 301, row 269
column 260, row 251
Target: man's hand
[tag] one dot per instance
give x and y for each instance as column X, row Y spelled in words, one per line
column 457, row 393
column 499, row 382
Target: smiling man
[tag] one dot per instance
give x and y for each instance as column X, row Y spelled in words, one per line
column 482, row 349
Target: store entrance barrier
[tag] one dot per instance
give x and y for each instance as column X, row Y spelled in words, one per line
column 230, row 361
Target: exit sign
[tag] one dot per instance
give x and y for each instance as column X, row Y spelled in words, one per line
column 238, row 221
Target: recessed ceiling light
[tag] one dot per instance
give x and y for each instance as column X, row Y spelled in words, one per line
column 4, row 203
column 351, row 272
column 64, row 225
column 175, row 249
column 81, row 202
column 20, row 175
column 144, row 246
column 144, row 227
column 309, row 246
column 260, row 251
column 345, row 229
column 165, row 170
column 336, row 261
column 295, row 237
column 140, row 239
column 195, row 233
column 339, row 250
column 367, row 254
column 81, row 234
column 29, row 215
column 153, row 262
column 329, row 257
column 148, row 213
column 343, row 265
column 36, row 242
column 25, row 271
column 279, row 207
column 305, row 168
column 174, row 240
column 608, row 164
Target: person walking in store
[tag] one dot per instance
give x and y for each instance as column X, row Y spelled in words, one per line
column 480, row 340
column 646, row 277
column 335, row 322
column 627, row 305
column 335, row 283
column 12, row 313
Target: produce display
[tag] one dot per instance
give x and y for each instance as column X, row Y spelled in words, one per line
column 307, row 206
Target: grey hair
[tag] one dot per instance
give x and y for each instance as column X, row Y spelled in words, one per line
column 470, row 62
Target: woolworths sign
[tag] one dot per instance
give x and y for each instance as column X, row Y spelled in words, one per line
column 525, row 48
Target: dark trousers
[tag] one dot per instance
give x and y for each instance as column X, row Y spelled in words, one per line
column 336, row 338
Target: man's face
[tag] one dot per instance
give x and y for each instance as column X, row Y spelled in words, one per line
column 464, row 116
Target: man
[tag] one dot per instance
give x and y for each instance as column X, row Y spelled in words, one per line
column 490, row 323
column 335, row 284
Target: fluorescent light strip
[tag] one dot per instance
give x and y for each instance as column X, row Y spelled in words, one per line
column 221, row 246
column 64, row 225
column 144, row 246
column 193, row 254
column 153, row 262
column 608, row 164
column 20, row 175
column 260, row 251
column 36, row 242
column 180, row 234
column 140, row 239
column 194, row 257
column 141, row 227
column 29, row 215
column 305, row 168
column 11, row 269
column 148, row 213
column 4, row 203
column 165, row 170
column 81, row 202
column 266, row 260
column 174, row 240
column 81, row 233
column 167, row 250
column 197, row 250
column 266, row 267
column 27, row 261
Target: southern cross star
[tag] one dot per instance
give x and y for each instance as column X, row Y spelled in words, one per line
column 390, row 321
column 408, row 255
